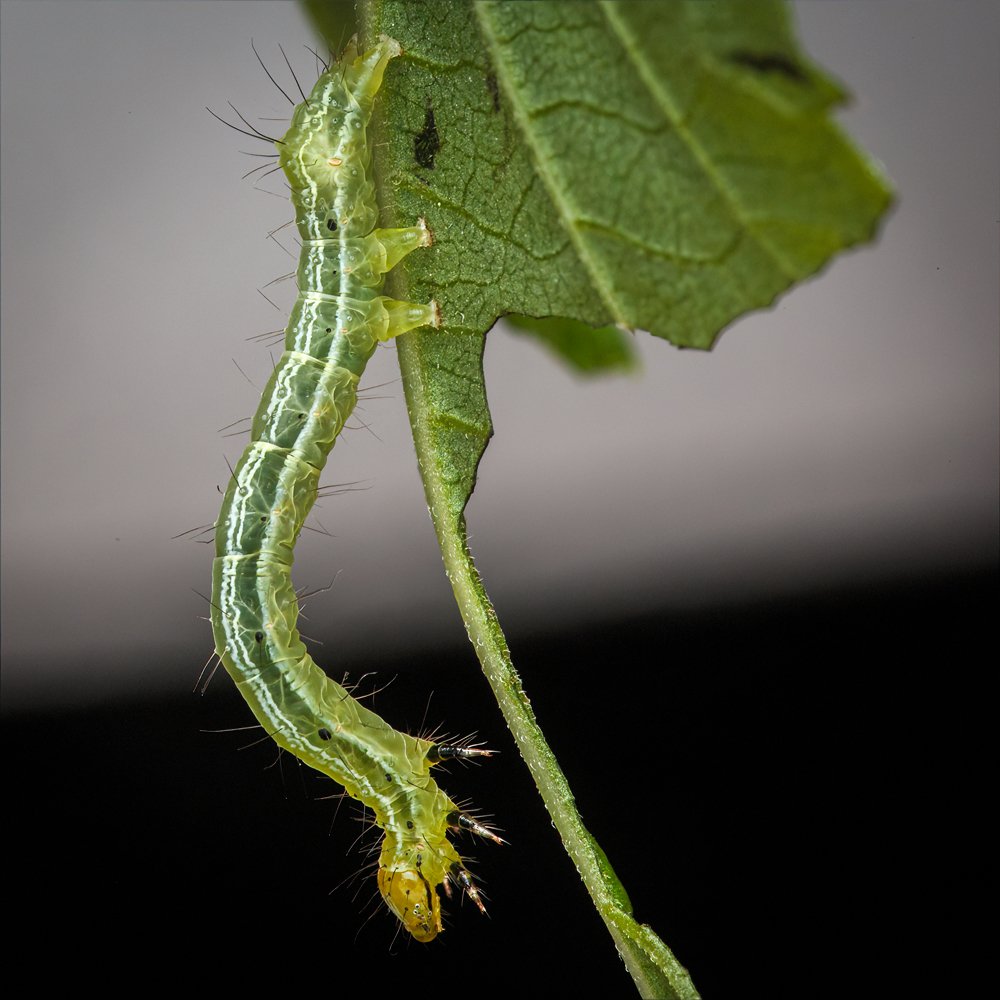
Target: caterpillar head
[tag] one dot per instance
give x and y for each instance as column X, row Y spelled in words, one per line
column 413, row 899
column 417, row 858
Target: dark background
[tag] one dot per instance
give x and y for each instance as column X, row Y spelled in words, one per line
column 785, row 789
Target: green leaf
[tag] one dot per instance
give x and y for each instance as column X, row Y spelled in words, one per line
column 582, row 347
column 664, row 166
column 686, row 152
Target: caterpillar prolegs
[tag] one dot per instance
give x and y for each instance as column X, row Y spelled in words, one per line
column 338, row 320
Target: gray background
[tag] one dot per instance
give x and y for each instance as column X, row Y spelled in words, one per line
column 850, row 434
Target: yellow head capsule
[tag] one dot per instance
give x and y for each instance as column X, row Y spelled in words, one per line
column 410, row 896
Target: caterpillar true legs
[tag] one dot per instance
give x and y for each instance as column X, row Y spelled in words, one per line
column 338, row 319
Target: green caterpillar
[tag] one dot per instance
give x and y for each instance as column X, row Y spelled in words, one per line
column 338, row 319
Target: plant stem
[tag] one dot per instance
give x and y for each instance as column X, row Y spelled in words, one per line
column 647, row 959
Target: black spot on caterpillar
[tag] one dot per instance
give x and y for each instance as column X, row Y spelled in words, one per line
column 336, row 323
column 426, row 143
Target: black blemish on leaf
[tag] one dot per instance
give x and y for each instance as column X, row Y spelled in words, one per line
column 494, row 88
column 768, row 62
column 427, row 143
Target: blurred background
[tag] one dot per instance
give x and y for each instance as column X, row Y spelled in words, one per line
column 749, row 591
